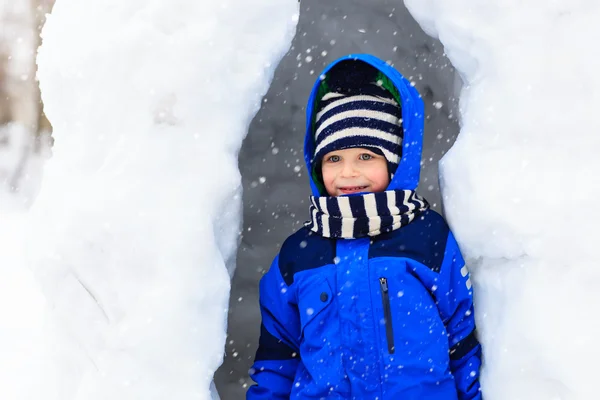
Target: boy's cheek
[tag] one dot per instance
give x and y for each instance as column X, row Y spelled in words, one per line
column 330, row 190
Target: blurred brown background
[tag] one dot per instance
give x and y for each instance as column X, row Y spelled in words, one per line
column 25, row 133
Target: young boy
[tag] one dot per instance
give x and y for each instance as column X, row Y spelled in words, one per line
column 371, row 299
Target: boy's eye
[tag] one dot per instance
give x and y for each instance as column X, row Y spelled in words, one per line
column 333, row 159
column 365, row 156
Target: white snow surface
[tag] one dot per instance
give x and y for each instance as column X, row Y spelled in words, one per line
column 117, row 280
column 520, row 186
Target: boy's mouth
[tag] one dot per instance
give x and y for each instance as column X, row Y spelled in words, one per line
column 352, row 189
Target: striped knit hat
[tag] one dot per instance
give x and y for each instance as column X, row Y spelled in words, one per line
column 357, row 110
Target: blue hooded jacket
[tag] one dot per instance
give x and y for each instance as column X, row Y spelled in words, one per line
column 388, row 317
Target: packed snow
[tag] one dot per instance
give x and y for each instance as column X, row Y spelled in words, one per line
column 520, row 186
column 117, row 280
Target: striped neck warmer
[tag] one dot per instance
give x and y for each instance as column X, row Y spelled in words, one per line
column 368, row 214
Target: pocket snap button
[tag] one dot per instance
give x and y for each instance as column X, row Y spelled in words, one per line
column 324, row 297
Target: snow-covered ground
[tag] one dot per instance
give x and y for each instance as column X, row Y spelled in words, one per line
column 120, row 272
column 520, row 186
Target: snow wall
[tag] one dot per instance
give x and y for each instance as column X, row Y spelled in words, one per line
column 520, row 186
column 132, row 238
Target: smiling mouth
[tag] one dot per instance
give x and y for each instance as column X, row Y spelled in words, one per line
column 352, row 189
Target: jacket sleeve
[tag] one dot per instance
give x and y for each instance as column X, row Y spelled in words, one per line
column 454, row 296
column 277, row 356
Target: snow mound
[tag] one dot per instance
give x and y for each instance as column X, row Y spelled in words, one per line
column 133, row 235
column 520, row 186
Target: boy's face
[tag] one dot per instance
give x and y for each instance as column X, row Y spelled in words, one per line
column 354, row 170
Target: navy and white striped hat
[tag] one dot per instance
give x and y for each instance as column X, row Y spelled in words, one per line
column 358, row 111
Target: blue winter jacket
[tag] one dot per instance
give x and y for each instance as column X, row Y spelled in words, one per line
column 388, row 317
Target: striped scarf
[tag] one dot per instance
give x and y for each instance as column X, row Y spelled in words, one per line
column 368, row 214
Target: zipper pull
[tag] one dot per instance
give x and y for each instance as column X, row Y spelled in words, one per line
column 384, row 285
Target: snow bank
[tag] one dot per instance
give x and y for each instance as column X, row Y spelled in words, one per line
column 520, row 186
column 136, row 225
column 24, row 330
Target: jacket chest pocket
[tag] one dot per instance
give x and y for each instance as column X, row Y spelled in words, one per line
column 320, row 333
column 317, row 317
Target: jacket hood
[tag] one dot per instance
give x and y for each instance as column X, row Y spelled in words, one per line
column 407, row 175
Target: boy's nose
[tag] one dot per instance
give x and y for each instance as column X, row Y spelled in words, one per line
column 349, row 170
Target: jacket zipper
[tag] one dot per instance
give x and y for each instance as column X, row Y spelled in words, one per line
column 387, row 314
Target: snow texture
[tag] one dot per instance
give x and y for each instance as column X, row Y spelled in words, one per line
column 131, row 242
column 520, row 186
